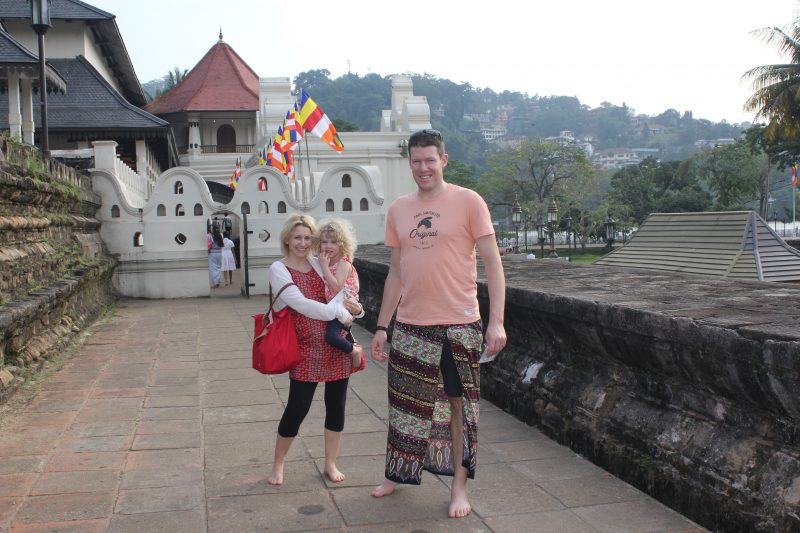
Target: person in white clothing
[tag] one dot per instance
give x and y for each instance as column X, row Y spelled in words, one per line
column 228, row 261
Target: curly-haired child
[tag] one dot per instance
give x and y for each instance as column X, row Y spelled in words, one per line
column 336, row 248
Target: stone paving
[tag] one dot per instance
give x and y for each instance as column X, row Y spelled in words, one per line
column 158, row 424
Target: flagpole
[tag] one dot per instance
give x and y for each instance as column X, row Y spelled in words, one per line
column 308, row 157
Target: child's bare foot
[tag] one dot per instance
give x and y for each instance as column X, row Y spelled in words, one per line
column 384, row 489
column 459, row 505
column 276, row 478
column 357, row 354
column 334, row 474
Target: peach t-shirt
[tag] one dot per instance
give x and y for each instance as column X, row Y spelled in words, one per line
column 436, row 239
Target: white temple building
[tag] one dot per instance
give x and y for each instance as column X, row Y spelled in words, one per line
column 160, row 239
column 153, row 213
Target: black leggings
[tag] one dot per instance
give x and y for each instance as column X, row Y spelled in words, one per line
column 301, row 393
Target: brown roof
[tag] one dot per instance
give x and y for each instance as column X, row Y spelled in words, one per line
column 221, row 81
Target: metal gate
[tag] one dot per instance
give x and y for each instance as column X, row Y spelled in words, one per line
column 246, row 257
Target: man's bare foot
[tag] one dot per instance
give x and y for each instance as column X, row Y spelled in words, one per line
column 357, row 354
column 459, row 505
column 334, row 474
column 276, row 478
column 384, row 489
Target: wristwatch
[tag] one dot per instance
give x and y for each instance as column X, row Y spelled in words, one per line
column 381, row 328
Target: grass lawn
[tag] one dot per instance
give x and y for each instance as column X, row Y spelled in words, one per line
column 576, row 256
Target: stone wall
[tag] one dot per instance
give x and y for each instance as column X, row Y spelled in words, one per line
column 54, row 274
column 687, row 387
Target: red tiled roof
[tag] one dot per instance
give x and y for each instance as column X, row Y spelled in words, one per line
column 221, row 81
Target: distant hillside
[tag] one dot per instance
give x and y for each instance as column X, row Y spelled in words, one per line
column 152, row 87
column 469, row 116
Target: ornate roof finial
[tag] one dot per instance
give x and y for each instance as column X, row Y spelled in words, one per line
column 220, row 33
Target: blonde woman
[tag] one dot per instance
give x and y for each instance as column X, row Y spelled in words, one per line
column 319, row 361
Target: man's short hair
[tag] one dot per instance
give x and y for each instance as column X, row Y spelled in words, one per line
column 427, row 137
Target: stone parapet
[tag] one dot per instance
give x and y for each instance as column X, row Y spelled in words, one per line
column 54, row 273
column 687, row 387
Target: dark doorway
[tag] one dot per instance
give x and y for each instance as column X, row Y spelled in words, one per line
column 226, row 139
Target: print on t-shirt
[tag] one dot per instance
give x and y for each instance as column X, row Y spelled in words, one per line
column 423, row 235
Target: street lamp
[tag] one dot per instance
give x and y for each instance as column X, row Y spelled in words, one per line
column 540, row 229
column 568, row 226
column 516, row 218
column 525, row 224
column 552, row 220
column 40, row 21
column 611, row 229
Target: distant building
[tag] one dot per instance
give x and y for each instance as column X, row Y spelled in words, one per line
column 491, row 134
column 644, row 153
column 567, row 137
column 103, row 97
column 654, row 129
column 213, row 112
column 615, row 158
column 710, row 143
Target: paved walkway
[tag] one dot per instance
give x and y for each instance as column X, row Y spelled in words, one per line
column 158, row 424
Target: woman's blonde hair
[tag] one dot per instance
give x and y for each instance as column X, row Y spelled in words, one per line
column 342, row 232
column 294, row 220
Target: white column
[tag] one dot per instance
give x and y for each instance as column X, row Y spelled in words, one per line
column 194, row 135
column 141, row 158
column 105, row 154
column 14, row 116
column 27, row 111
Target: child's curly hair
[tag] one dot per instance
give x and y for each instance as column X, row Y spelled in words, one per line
column 340, row 230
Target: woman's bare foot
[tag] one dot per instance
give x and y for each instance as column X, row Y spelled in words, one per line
column 459, row 505
column 357, row 354
column 276, row 478
column 384, row 489
column 334, row 474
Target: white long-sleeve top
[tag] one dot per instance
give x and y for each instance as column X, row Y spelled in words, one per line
column 279, row 276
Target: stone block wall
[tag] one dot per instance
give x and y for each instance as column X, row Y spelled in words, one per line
column 54, row 274
column 687, row 387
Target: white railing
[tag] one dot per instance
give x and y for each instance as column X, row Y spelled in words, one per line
column 136, row 186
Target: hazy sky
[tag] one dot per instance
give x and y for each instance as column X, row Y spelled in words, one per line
column 683, row 54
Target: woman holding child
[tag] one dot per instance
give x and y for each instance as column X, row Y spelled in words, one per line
column 320, row 361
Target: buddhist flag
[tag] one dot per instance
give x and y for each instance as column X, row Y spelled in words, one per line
column 314, row 119
column 794, row 175
column 288, row 161
column 237, row 173
column 274, row 157
column 292, row 130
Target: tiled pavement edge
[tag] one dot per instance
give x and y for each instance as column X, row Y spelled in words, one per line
column 158, row 424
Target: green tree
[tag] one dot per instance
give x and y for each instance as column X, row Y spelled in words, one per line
column 344, row 125
column 535, row 172
column 776, row 88
column 172, row 80
column 461, row 174
column 654, row 186
column 313, row 81
column 732, row 172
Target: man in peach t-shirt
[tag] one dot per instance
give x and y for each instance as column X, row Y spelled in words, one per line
column 434, row 375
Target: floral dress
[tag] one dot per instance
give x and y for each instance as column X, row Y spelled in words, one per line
column 320, row 361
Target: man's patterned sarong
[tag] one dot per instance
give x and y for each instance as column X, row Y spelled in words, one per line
column 419, row 411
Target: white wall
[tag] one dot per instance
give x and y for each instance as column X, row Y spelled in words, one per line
column 163, row 268
column 65, row 40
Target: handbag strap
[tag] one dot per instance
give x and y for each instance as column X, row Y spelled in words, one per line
column 272, row 299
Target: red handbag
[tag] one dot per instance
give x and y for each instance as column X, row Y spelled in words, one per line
column 275, row 347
